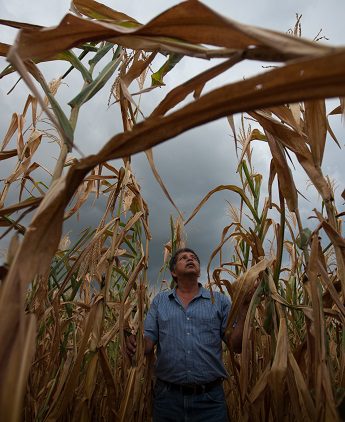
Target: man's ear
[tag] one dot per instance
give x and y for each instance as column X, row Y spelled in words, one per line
column 173, row 273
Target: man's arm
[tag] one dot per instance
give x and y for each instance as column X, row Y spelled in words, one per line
column 149, row 345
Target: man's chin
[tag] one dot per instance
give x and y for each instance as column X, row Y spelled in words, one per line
column 192, row 271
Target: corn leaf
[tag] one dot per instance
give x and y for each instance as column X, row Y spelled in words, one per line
column 316, row 128
column 4, row 155
column 96, row 10
column 157, row 77
column 90, row 90
column 4, row 49
column 202, row 26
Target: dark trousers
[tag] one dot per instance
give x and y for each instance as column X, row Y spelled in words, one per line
column 171, row 405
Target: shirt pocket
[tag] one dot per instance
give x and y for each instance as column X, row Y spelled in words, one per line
column 209, row 330
column 164, row 325
column 167, row 343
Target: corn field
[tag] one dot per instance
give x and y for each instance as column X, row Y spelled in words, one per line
column 64, row 306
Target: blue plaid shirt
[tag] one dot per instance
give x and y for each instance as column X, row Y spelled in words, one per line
column 189, row 341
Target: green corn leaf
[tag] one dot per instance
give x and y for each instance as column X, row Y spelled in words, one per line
column 249, row 178
column 102, row 51
column 157, row 78
column 61, row 116
column 67, row 56
column 90, row 90
column 67, row 130
column 75, row 62
column 90, row 46
column 121, row 272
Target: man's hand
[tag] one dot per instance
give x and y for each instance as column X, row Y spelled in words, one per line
column 131, row 345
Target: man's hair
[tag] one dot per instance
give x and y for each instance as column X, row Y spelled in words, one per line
column 173, row 260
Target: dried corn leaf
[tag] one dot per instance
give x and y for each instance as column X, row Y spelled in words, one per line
column 4, row 155
column 286, row 182
column 297, row 144
column 109, row 379
column 287, row 116
column 237, row 97
column 61, row 402
column 245, row 283
column 17, row 371
column 149, row 155
column 220, row 188
column 25, row 153
column 83, row 193
column 19, row 25
column 255, row 134
column 33, row 102
column 202, row 25
column 10, row 131
column 197, row 83
column 260, row 386
column 95, row 10
column 4, row 48
column 305, row 398
column 31, row 202
column 61, row 123
column 336, row 238
column 137, row 67
column 316, row 128
column 278, row 370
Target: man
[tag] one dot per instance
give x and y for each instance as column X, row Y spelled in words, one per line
column 188, row 330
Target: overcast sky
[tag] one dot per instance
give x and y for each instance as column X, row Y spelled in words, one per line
column 201, row 159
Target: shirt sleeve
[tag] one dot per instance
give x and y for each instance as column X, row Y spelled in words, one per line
column 151, row 321
column 226, row 306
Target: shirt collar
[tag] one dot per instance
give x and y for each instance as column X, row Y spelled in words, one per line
column 205, row 293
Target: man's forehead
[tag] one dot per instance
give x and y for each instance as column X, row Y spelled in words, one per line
column 181, row 254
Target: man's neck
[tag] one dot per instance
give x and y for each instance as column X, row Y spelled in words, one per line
column 188, row 285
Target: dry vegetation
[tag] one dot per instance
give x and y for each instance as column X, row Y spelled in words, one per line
column 63, row 308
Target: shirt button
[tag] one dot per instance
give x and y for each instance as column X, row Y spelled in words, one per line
column 188, row 351
column 189, row 370
column 188, row 318
column 188, row 334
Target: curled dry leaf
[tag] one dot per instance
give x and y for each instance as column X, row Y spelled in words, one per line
column 202, row 26
column 4, row 48
column 286, row 182
column 316, row 128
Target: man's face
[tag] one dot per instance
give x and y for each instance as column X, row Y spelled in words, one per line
column 186, row 264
